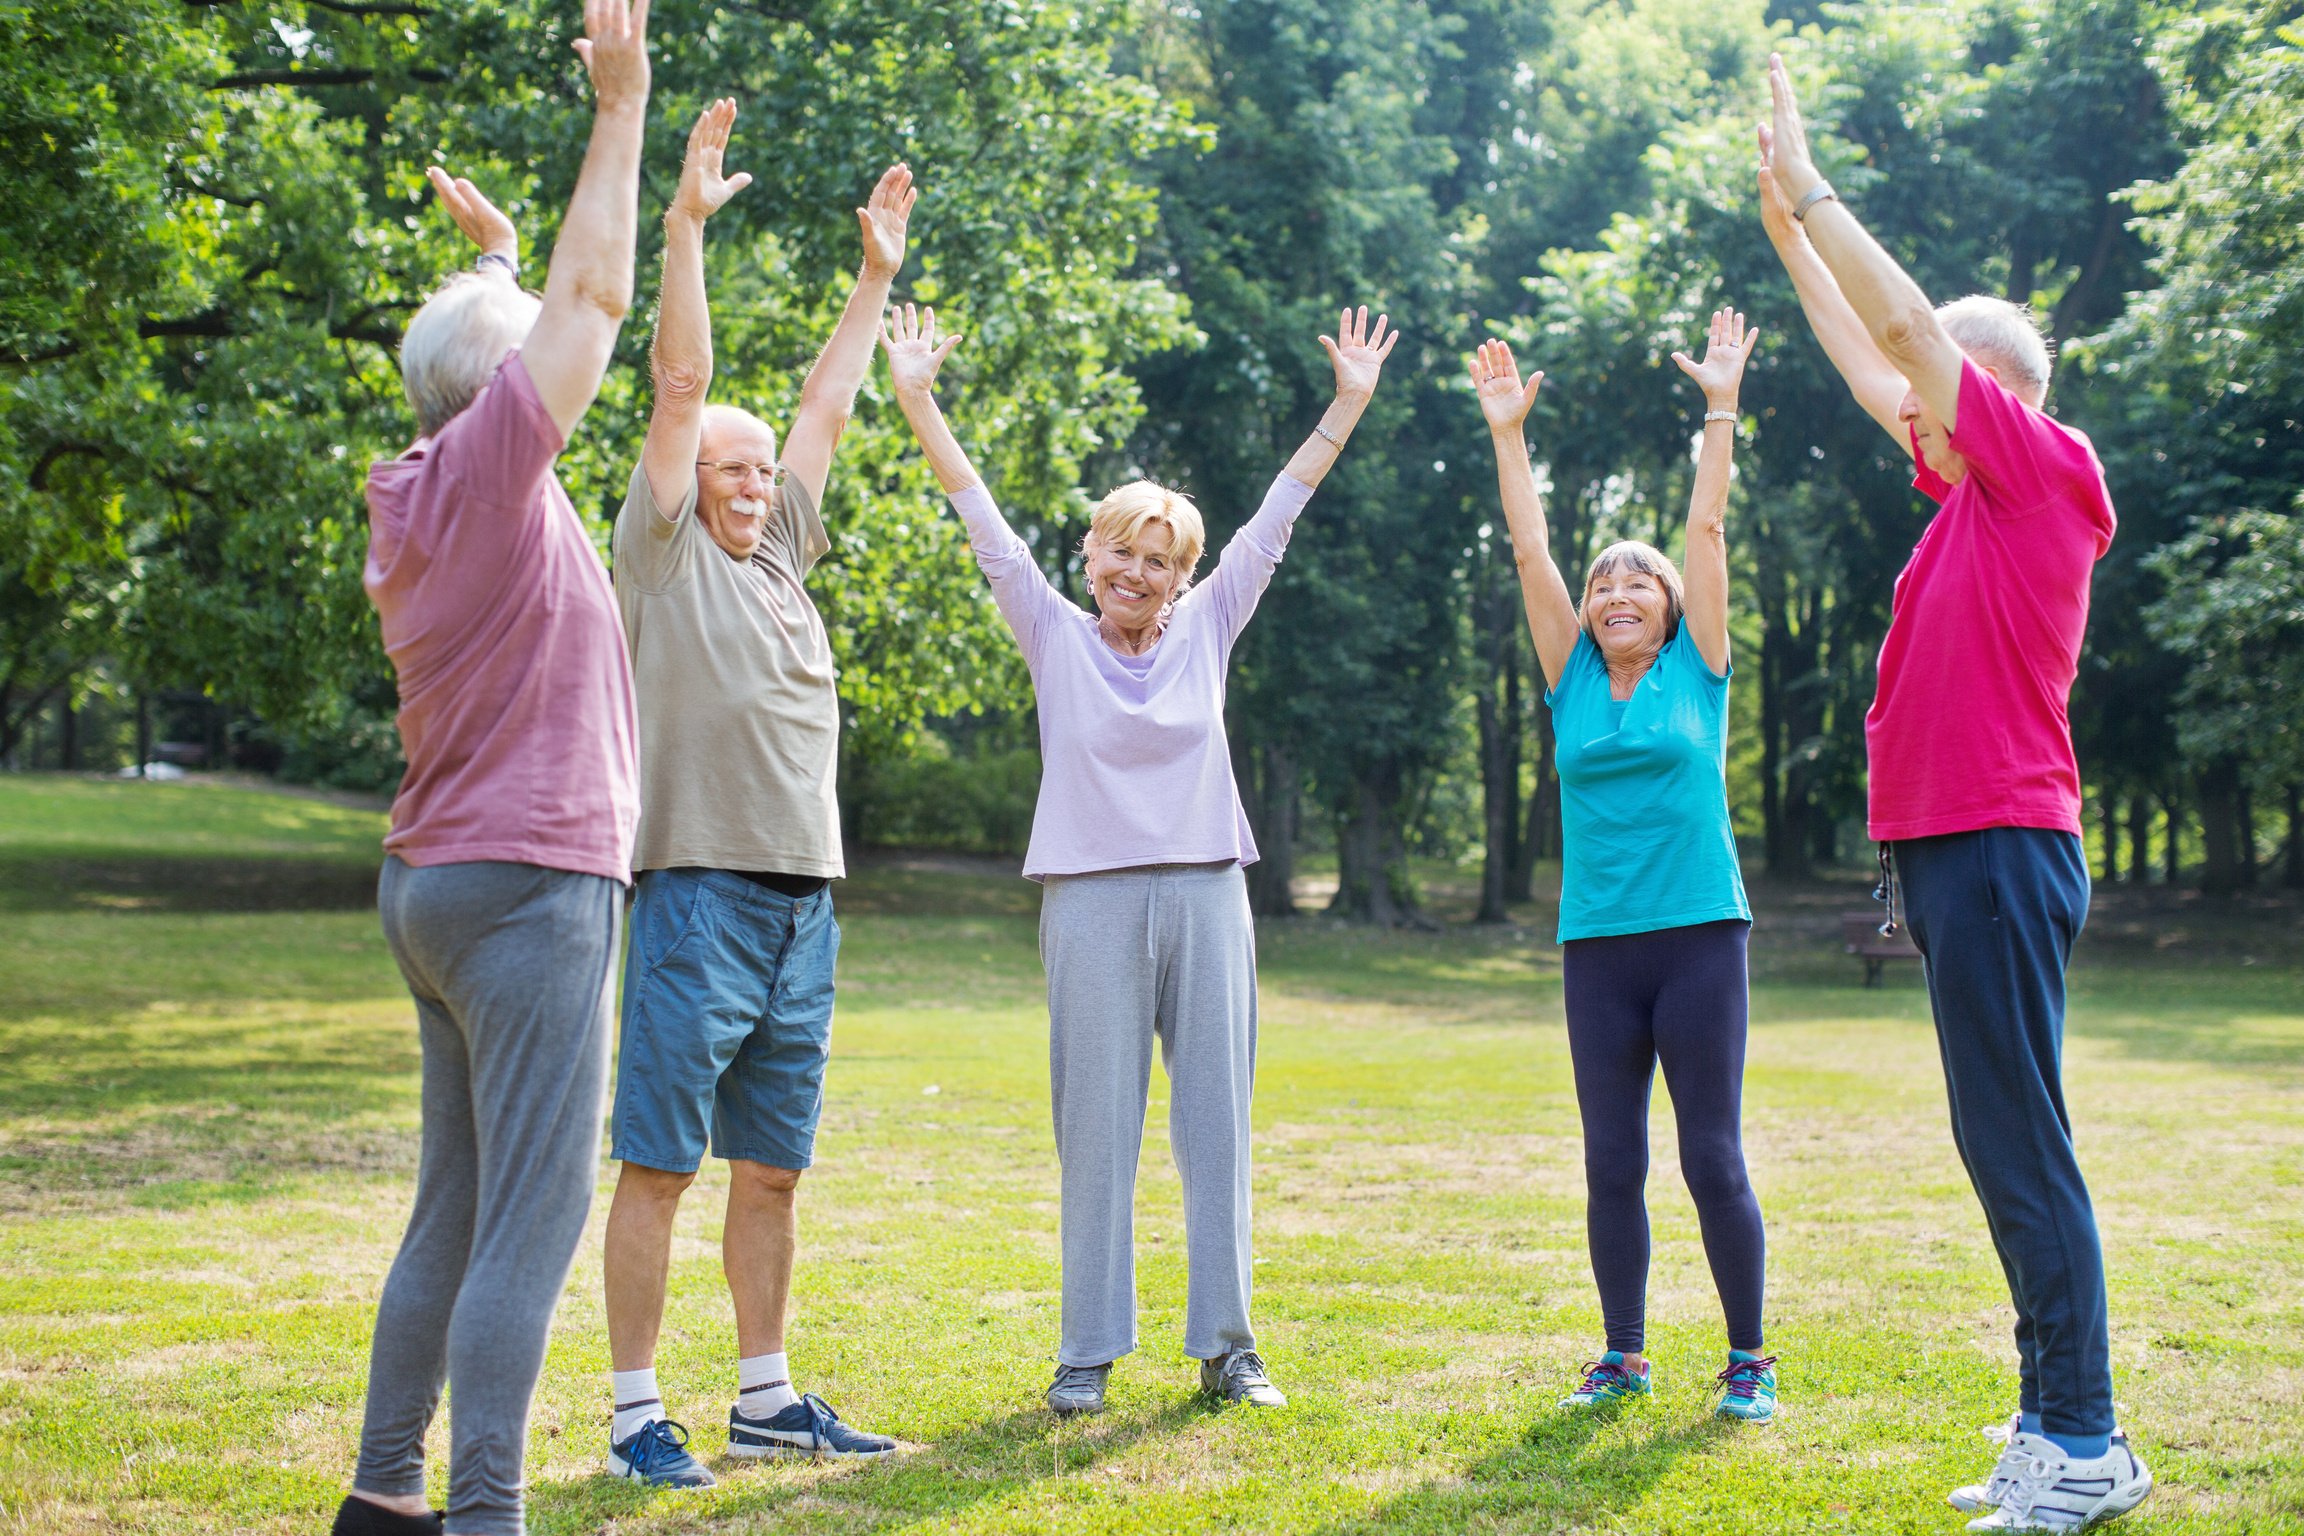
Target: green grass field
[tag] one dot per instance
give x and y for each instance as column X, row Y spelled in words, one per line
column 207, row 1113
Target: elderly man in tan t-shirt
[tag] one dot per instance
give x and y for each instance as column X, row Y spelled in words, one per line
column 728, row 986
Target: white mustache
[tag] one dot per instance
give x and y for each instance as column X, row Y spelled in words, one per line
column 748, row 506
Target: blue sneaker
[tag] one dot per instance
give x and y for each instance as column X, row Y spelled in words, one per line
column 1748, row 1388
column 1606, row 1380
column 808, row 1427
column 657, row 1454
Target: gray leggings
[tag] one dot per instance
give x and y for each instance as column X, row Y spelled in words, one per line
column 1166, row 951
column 509, row 964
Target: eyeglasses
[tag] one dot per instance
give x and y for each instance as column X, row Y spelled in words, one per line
column 734, row 470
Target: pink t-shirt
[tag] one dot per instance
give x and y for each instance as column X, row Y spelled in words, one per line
column 1969, row 728
column 515, row 693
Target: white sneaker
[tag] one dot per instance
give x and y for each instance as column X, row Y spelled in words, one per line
column 2050, row 1491
column 1974, row 1498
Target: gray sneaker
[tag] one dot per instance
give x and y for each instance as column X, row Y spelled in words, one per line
column 1239, row 1378
column 1078, row 1389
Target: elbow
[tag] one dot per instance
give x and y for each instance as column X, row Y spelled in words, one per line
column 680, row 384
column 604, row 294
column 1908, row 334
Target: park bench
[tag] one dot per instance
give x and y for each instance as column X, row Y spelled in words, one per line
column 1860, row 936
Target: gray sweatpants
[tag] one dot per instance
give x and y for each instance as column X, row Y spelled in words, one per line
column 509, row 964
column 1166, row 951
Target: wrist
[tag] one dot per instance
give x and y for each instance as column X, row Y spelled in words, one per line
column 1355, row 400
column 872, row 273
column 1719, row 403
column 683, row 220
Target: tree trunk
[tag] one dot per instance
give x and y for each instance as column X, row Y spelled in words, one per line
column 2294, row 878
column 143, row 730
column 2140, row 838
column 2108, row 811
column 1537, row 840
column 1499, row 795
column 1372, row 884
column 2173, row 805
column 1271, row 793
column 2219, row 816
column 2244, row 831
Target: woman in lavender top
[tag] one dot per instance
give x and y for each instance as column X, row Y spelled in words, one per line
column 1140, row 839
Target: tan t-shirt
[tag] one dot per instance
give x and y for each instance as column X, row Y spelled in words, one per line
column 739, row 717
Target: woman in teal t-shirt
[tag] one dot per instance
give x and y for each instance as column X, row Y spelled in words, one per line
column 1653, row 920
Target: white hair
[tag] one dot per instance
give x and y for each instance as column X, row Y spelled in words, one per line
column 2004, row 337
column 457, row 342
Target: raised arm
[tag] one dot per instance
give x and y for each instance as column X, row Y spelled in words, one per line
column 1720, row 376
column 589, row 289
column 1358, row 355
column 680, row 362
column 915, row 352
column 1894, row 312
column 1543, row 593
column 830, row 393
column 1871, row 378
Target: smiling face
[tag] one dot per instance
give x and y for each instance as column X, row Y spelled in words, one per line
column 1630, row 602
column 734, row 508
column 1133, row 579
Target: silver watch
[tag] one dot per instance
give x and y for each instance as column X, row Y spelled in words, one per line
column 1820, row 193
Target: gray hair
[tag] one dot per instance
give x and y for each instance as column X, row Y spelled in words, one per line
column 2004, row 337
column 457, row 342
column 1649, row 561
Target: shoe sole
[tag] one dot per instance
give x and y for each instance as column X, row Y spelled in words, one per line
column 1075, row 1410
column 802, row 1453
column 619, row 1467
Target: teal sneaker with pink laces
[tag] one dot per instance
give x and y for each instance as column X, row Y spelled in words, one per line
column 1748, row 1387
column 1608, row 1380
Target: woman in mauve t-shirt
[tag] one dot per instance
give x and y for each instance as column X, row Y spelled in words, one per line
column 1140, row 838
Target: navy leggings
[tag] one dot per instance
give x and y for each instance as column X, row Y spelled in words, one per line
column 1676, row 996
column 1994, row 914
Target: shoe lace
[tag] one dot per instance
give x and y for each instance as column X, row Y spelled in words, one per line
column 821, row 1417
column 660, row 1440
column 1074, row 1376
column 1742, row 1378
column 1246, row 1366
column 1601, row 1374
column 2026, row 1481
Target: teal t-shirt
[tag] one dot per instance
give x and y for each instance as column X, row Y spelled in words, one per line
column 1644, row 796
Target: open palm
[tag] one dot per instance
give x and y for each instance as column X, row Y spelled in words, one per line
column 704, row 190
column 1358, row 351
column 1725, row 352
column 885, row 219
column 1496, row 380
column 915, row 350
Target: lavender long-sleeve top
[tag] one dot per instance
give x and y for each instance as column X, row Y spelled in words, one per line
column 1135, row 768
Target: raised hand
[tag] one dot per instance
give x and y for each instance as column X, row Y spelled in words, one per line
column 1496, row 380
column 1786, row 141
column 915, row 351
column 1775, row 208
column 884, row 219
column 1359, row 352
column 614, row 49
column 483, row 223
column 704, row 191
column 1725, row 352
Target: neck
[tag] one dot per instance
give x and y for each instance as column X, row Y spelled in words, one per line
column 1131, row 642
column 1625, row 672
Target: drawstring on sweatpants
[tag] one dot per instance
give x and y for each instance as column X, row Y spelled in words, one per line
column 1890, row 890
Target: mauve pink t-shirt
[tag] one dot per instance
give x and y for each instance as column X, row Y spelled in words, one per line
column 515, row 692
column 1969, row 728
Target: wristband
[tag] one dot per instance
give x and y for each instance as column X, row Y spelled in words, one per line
column 499, row 259
column 1820, row 193
column 1727, row 416
column 1322, row 429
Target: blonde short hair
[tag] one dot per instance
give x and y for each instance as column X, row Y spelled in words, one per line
column 457, row 342
column 1649, row 561
column 2004, row 337
column 1123, row 515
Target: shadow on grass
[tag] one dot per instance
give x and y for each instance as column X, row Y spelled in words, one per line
column 985, row 1463
column 1557, row 1471
column 40, row 880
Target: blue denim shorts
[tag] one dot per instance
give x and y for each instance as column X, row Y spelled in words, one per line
column 727, row 1022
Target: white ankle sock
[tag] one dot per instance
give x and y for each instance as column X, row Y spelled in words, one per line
column 764, row 1386
column 637, row 1402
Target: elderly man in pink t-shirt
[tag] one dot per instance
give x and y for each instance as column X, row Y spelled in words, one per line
column 511, row 836
column 1975, row 794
